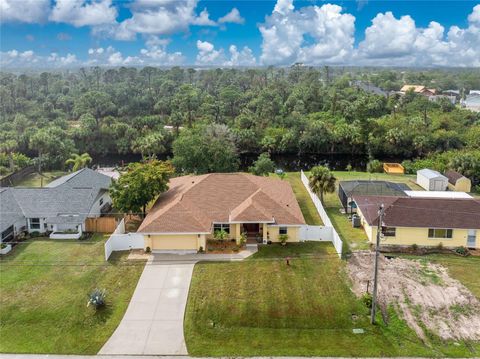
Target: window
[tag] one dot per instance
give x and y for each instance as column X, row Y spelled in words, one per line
column 35, row 223
column 389, row 231
column 101, row 201
column 440, row 233
column 282, row 230
column 221, row 227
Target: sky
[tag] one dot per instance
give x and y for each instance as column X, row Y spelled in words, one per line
column 74, row 33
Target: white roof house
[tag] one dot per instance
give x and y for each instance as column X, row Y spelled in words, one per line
column 438, row 194
column 431, row 180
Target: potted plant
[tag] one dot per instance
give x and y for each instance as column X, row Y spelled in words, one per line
column 283, row 238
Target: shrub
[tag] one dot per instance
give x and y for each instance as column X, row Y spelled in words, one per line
column 462, row 251
column 3, row 245
column 367, row 300
column 34, row 234
column 414, row 247
column 148, row 250
column 243, row 239
column 201, row 250
column 375, row 166
column 283, row 238
column 440, row 246
column 349, row 167
column 97, row 298
column 221, row 235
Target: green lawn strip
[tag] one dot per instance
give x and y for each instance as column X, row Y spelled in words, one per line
column 262, row 307
column 305, row 202
column 43, row 302
column 35, row 179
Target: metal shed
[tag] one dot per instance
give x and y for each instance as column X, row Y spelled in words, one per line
column 431, row 180
column 348, row 189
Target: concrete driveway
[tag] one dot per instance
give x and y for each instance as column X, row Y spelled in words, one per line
column 153, row 322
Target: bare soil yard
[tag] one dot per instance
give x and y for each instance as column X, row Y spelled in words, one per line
column 429, row 300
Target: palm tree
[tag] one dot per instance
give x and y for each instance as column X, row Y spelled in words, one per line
column 79, row 161
column 321, row 181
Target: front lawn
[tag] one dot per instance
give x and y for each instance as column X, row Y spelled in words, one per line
column 43, row 296
column 262, row 307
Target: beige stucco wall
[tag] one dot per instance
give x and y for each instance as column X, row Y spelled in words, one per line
column 418, row 236
column 293, row 233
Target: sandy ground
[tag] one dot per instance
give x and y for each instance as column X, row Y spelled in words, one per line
column 423, row 293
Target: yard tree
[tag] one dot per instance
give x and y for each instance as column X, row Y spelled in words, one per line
column 8, row 144
column 205, row 149
column 79, row 161
column 140, row 185
column 263, row 166
column 321, row 181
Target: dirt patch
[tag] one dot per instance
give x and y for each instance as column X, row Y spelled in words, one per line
column 423, row 293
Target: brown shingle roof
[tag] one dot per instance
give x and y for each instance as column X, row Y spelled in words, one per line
column 421, row 212
column 193, row 203
column 453, row 176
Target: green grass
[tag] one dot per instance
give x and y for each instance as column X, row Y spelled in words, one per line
column 35, row 179
column 306, row 205
column 464, row 269
column 43, row 296
column 262, row 307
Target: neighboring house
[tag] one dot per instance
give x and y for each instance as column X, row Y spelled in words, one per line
column 458, row 182
column 195, row 207
column 436, row 98
column 472, row 102
column 348, row 189
column 431, row 180
column 370, row 88
column 418, row 89
column 422, row 221
column 61, row 207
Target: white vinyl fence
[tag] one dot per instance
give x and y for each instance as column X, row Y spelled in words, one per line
column 121, row 241
column 315, row 233
column 335, row 238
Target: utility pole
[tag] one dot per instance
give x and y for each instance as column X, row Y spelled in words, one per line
column 375, row 276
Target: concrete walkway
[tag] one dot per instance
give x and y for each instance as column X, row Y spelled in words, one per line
column 153, row 322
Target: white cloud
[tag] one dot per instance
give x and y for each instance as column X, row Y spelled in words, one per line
column 162, row 17
column 30, row 11
column 209, row 56
column 241, row 58
column 29, row 59
column 232, row 17
column 84, row 13
column 312, row 35
column 392, row 41
column 154, row 54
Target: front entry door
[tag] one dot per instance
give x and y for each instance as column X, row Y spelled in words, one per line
column 471, row 241
column 252, row 230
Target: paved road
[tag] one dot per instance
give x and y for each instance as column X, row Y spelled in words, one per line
column 153, row 322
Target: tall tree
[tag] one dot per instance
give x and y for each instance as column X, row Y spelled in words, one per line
column 79, row 161
column 321, row 181
column 140, row 185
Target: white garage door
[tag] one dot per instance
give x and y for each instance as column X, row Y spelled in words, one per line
column 174, row 243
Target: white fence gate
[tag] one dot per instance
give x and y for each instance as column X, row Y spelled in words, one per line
column 121, row 241
column 315, row 233
column 335, row 238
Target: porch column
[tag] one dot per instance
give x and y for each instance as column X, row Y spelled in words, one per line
column 236, row 232
column 265, row 231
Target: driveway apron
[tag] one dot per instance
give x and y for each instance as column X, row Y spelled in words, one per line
column 153, row 322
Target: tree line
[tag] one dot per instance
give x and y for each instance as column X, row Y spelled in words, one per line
column 206, row 119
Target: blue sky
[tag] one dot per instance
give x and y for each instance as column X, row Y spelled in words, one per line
column 72, row 33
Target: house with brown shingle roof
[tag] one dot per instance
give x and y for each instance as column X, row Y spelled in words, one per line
column 195, row 207
column 421, row 221
column 418, row 89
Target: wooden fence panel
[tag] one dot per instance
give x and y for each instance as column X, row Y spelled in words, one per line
column 101, row 224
